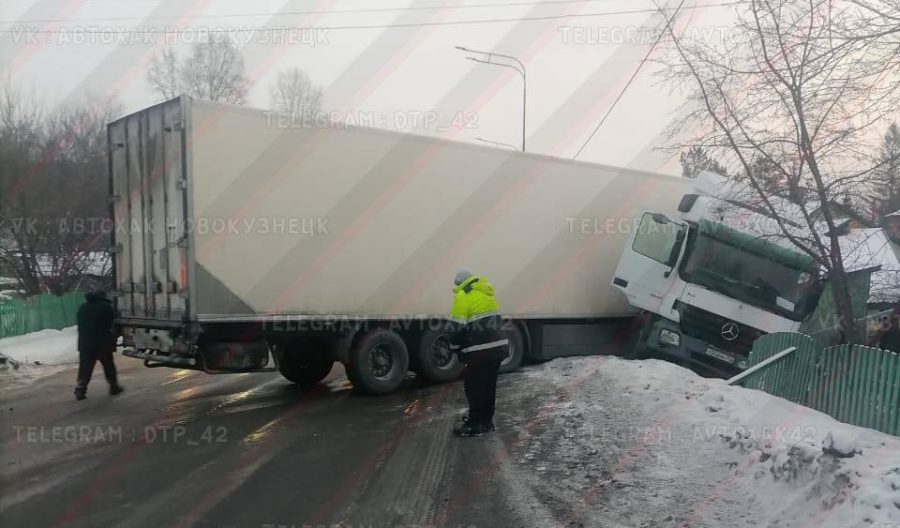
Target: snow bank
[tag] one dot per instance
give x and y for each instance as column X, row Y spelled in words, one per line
column 47, row 347
column 648, row 443
column 26, row 358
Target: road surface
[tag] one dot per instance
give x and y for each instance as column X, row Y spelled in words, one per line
column 183, row 448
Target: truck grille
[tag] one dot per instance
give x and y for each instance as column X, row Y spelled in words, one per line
column 708, row 326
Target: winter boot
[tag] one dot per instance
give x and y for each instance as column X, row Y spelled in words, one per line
column 465, row 421
column 80, row 393
column 469, row 429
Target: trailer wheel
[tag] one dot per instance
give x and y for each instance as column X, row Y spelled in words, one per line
column 379, row 361
column 302, row 363
column 516, row 348
column 434, row 360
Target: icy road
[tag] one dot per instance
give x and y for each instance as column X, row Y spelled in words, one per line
column 580, row 442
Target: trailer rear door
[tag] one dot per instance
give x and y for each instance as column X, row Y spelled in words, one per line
column 148, row 166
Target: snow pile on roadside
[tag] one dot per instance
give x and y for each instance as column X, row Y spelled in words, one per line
column 46, row 347
column 31, row 356
column 648, row 443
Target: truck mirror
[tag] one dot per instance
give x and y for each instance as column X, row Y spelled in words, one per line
column 660, row 218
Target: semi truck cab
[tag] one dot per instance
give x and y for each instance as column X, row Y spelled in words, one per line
column 706, row 290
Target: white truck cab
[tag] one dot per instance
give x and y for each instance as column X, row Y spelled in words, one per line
column 707, row 290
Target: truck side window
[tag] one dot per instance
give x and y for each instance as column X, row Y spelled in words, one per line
column 657, row 240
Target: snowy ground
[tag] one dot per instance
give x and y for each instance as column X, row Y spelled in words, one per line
column 602, row 441
column 32, row 356
column 650, row 444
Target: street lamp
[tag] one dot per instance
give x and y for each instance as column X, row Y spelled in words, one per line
column 518, row 67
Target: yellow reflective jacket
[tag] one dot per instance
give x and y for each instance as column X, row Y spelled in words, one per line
column 480, row 336
column 473, row 297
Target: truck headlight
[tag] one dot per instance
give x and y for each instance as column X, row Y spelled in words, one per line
column 668, row 337
column 743, row 364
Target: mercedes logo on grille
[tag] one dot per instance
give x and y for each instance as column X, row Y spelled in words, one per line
column 730, row 331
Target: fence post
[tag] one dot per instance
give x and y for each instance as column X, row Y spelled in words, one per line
column 894, row 399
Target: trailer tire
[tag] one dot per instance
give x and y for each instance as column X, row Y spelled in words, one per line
column 301, row 363
column 379, row 361
column 434, row 361
column 516, row 348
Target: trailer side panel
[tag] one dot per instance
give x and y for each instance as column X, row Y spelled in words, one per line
column 366, row 222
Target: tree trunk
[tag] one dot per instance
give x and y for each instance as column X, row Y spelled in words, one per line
column 840, row 289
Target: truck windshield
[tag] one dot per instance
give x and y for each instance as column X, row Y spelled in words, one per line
column 749, row 277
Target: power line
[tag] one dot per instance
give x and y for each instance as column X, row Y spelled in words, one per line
column 312, row 12
column 635, row 74
column 138, row 30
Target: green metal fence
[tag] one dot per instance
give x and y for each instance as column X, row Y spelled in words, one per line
column 856, row 384
column 21, row 316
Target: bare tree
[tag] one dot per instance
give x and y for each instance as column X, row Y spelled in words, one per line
column 798, row 85
column 214, row 71
column 55, row 192
column 163, row 74
column 878, row 23
column 294, row 94
column 887, row 176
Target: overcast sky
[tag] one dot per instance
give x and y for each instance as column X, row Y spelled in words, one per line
column 409, row 77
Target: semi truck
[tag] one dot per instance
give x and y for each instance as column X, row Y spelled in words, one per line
column 712, row 279
column 244, row 242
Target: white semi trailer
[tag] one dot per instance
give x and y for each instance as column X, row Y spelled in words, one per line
column 244, row 245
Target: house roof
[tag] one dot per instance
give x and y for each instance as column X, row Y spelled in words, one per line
column 866, row 248
column 840, row 209
column 91, row 263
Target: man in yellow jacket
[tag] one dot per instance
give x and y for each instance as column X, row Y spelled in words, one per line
column 481, row 344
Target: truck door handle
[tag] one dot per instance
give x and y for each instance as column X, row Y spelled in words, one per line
column 620, row 282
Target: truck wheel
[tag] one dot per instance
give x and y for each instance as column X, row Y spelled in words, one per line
column 378, row 362
column 304, row 365
column 434, row 360
column 516, row 348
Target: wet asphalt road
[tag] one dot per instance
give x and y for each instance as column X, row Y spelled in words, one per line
column 183, row 448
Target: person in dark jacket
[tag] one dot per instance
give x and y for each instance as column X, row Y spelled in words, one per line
column 481, row 344
column 96, row 342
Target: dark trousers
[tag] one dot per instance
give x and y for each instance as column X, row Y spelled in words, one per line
column 480, row 380
column 86, row 361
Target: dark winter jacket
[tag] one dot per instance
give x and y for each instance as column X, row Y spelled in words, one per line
column 95, row 318
column 479, row 324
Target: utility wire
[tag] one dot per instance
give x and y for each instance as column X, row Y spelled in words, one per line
column 635, row 74
column 139, row 30
column 311, row 12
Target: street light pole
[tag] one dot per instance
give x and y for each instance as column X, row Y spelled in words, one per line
column 518, row 67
